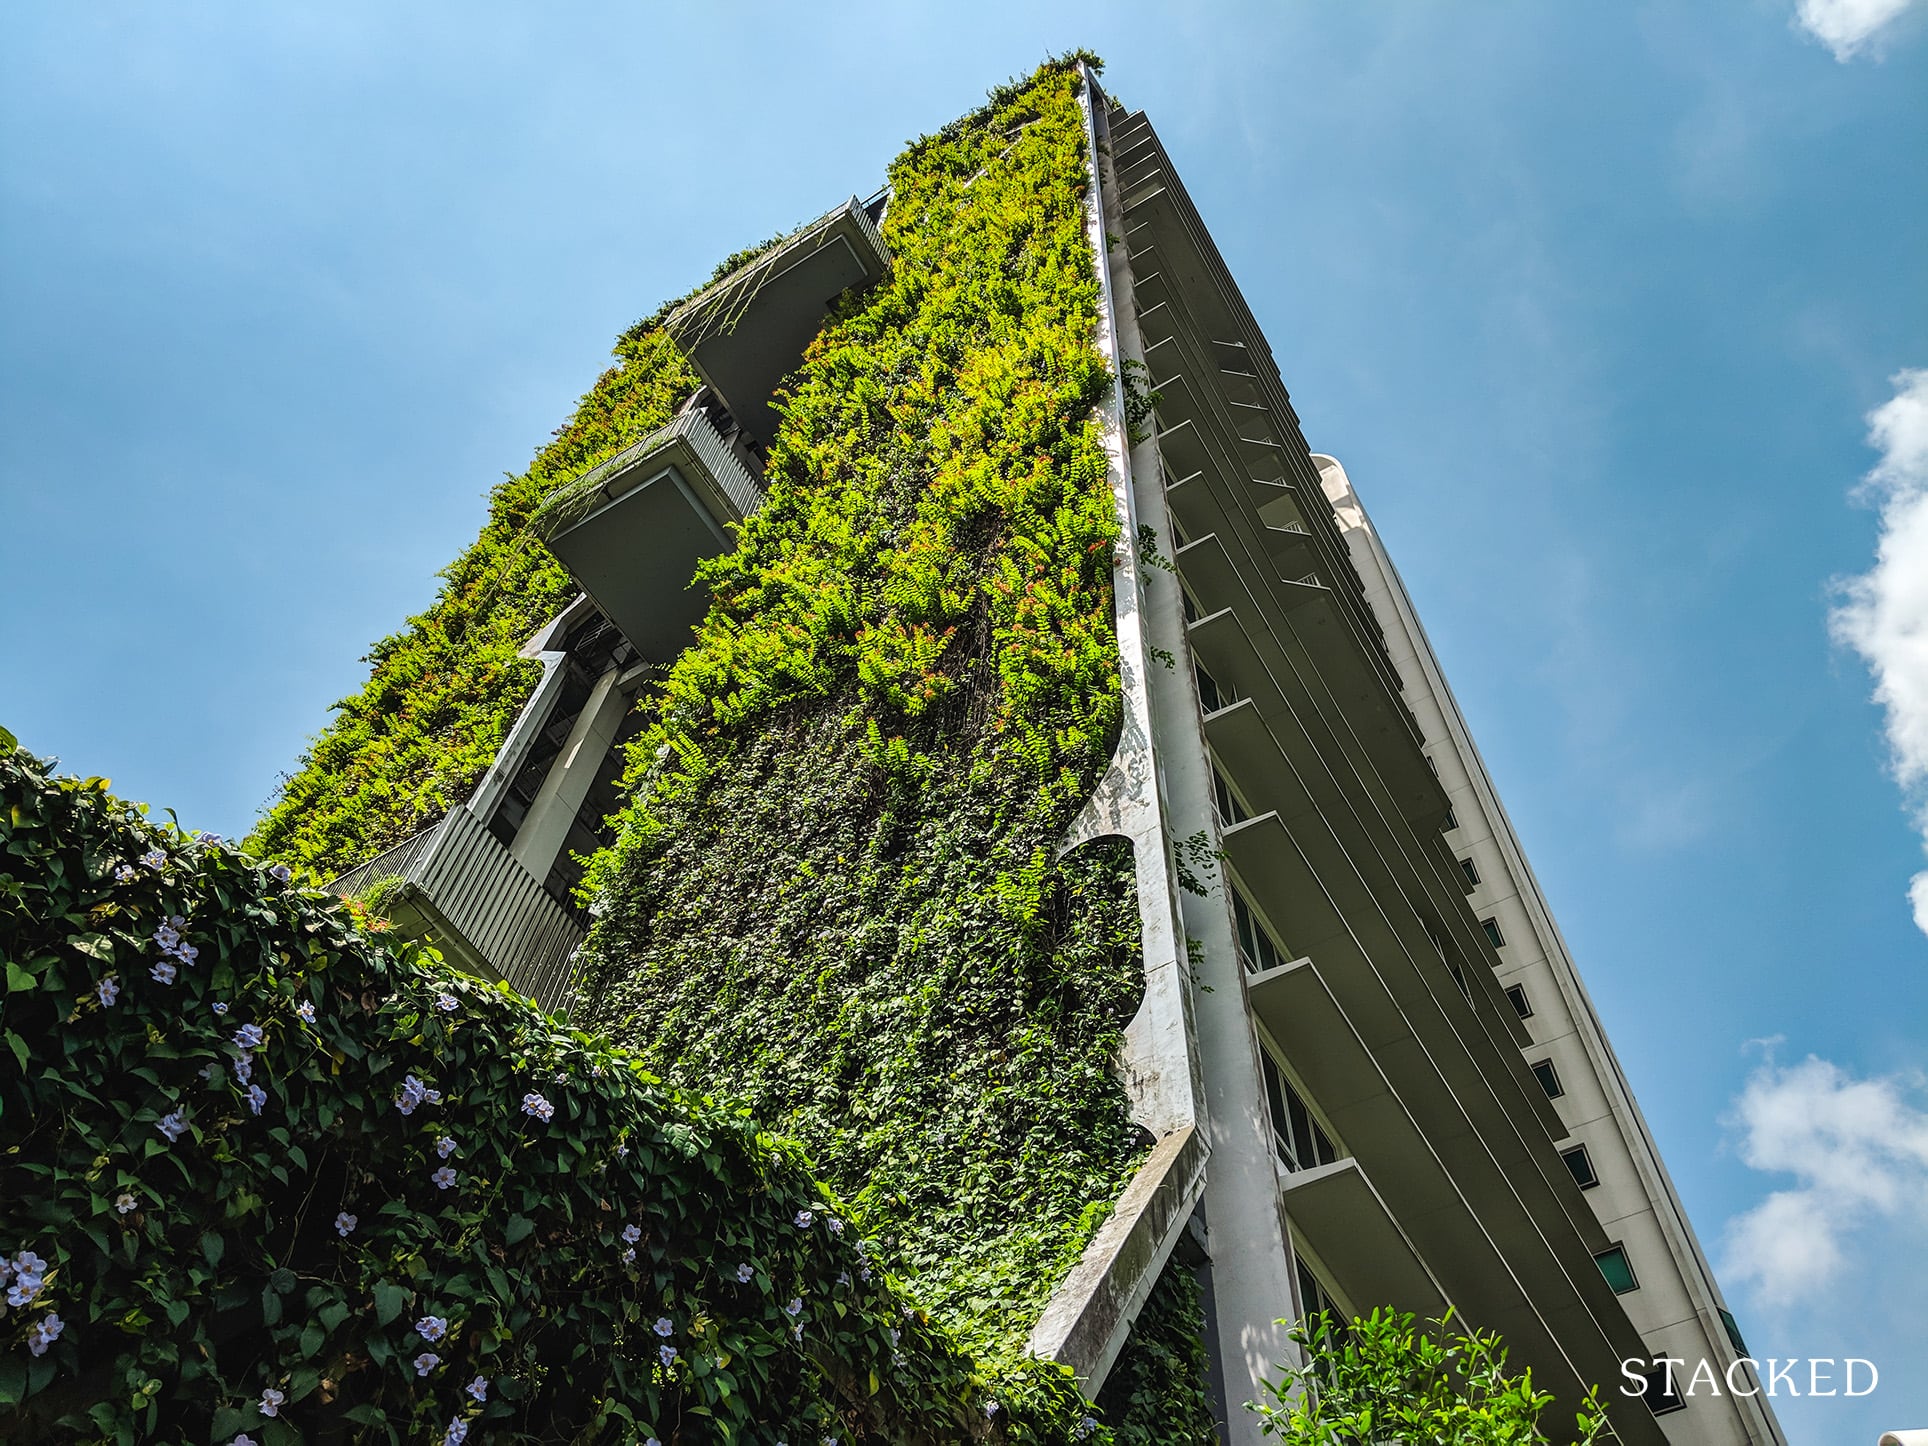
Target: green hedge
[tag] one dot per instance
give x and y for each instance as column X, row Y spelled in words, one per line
column 251, row 1157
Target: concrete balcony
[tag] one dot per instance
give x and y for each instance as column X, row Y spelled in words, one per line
column 1341, row 1217
column 749, row 330
column 464, row 892
column 632, row 530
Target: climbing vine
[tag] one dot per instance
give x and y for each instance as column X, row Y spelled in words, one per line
column 836, row 894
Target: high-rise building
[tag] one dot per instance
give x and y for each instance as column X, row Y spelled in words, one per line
column 1363, row 1068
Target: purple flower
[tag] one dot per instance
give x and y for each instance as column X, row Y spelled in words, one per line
column 186, row 953
column 46, row 1331
column 431, row 1327
column 167, row 936
column 125, row 1203
column 27, row 1271
column 125, row 874
column 208, row 840
column 445, row 1147
column 413, row 1093
column 479, row 1388
column 244, row 1069
column 345, row 1224
column 173, row 1125
column 249, row 1036
column 666, row 1354
column 220, row 1007
column 835, row 1225
column 804, row 1217
column 305, row 1011
column 745, row 1271
column 447, row 1003
column 257, row 1098
column 991, row 1408
column 154, row 859
column 281, row 873
column 457, row 1433
column 444, row 1178
column 628, row 1257
column 108, row 990
column 535, row 1105
column 271, row 1402
column 795, row 1307
column 664, row 1326
column 244, row 1439
column 632, row 1233
column 426, row 1362
column 162, row 972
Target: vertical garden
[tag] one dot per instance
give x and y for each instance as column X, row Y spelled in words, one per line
column 836, row 901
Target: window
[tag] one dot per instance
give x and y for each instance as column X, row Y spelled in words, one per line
column 1185, row 602
column 1452, row 820
column 1301, row 1143
column 1733, row 1329
column 1254, row 939
column 1230, row 810
column 1618, row 1270
column 1549, row 1079
column 1661, row 1395
column 1315, row 1298
column 1209, row 697
column 1493, row 934
column 1521, row 1006
column 1580, row 1163
column 1467, row 868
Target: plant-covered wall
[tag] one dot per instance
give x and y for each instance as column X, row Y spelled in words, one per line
column 263, row 1178
column 442, row 692
column 836, row 895
column 836, row 898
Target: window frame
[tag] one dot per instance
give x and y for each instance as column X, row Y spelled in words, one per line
column 1585, row 1156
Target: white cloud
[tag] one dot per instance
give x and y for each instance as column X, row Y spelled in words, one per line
column 1858, row 1149
column 1846, row 26
column 1884, row 612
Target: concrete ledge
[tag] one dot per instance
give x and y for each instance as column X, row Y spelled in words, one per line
column 1091, row 1312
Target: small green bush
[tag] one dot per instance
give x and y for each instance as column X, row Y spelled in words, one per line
column 261, row 1174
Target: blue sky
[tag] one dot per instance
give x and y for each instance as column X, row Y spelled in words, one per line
column 1593, row 302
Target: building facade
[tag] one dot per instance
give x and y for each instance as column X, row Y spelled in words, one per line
column 1364, row 1061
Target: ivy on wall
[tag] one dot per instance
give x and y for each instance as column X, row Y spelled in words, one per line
column 261, row 1176
column 836, row 893
column 835, row 898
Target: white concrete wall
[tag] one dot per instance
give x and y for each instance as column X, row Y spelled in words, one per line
column 1674, row 1307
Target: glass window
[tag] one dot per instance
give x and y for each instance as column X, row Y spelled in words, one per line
column 1493, row 934
column 1581, row 1164
column 1468, row 868
column 1521, row 1004
column 1301, row 1143
column 1209, row 697
column 1733, row 1329
column 1661, row 1394
column 1615, row 1266
column 1452, row 819
column 1230, row 810
column 1254, row 939
column 1549, row 1079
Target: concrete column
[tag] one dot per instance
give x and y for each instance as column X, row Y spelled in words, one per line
column 545, row 829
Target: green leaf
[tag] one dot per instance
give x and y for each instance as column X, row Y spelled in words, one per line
column 18, row 978
column 94, row 946
column 390, row 1301
column 518, row 1229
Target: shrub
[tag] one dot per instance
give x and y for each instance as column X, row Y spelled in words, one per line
column 263, row 1174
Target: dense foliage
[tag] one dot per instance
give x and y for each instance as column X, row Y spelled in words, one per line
column 1388, row 1377
column 836, row 894
column 259, row 1173
column 442, row 692
column 1156, row 1389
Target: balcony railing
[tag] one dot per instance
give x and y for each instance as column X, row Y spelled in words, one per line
column 467, row 894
